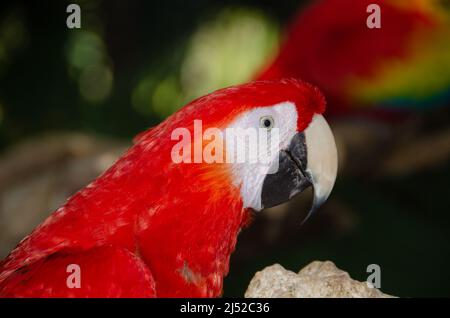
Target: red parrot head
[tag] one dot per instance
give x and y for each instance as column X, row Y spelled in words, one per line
column 286, row 144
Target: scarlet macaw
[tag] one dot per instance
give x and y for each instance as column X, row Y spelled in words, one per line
column 150, row 227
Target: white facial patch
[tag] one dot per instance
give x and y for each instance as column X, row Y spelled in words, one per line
column 260, row 158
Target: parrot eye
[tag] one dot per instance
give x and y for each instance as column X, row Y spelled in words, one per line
column 266, row 122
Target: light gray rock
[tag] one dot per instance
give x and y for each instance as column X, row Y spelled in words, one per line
column 316, row 280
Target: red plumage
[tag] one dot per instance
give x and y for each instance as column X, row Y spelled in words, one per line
column 149, row 227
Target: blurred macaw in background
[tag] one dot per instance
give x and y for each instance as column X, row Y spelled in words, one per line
column 383, row 74
column 401, row 66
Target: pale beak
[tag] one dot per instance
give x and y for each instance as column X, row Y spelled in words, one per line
column 310, row 160
column 322, row 159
